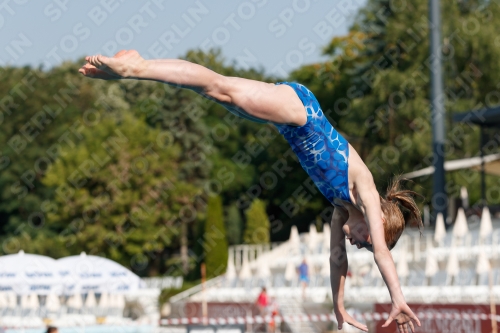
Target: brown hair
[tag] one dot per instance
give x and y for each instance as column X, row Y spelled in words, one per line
column 399, row 208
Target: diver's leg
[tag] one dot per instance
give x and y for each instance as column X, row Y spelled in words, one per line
column 275, row 103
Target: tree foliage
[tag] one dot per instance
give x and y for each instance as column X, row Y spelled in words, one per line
column 215, row 242
column 374, row 87
column 257, row 224
column 117, row 192
column 234, row 225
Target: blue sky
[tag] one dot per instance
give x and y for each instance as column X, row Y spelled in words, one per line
column 276, row 35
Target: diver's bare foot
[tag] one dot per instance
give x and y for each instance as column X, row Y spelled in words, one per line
column 91, row 71
column 125, row 64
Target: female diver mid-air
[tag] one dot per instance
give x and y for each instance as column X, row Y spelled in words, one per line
column 362, row 216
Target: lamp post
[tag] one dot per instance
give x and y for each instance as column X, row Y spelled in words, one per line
column 439, row 198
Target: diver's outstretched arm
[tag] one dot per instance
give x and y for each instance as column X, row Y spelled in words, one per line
column 368, row 200
column 274, row 103
column 338, row 269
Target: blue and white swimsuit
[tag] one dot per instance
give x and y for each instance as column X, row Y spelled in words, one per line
column 321, row 150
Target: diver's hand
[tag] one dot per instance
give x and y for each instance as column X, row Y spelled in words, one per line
column 344, row 317
column 404, row 318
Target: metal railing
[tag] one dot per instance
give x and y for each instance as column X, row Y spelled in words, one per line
column 196, row 289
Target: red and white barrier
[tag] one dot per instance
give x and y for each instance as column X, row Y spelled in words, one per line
column 321, row 317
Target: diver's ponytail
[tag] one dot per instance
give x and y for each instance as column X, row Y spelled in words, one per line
column 395, row 217
column 405, row 198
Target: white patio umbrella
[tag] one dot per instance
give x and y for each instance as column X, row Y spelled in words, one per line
column 230, row 270
column 104, row 304
column 112, row 301
column 325, row 268
column 33, row 302
column 402, row 266
column 25, row 301
column 290, row 271
column 70, row 301
column 313, row 238
column 294, row 240
column 74, row 302
column 104, row 301
column 483, row 264
column 453, row 267
column 3, row 300
column 11, row 300
column 485, row 227
column 440, row 231
column 326, row 235
column 52, row 303
column 245, row 272
column 431, row 264
column 427, row 213
column 84, row 273
column 460, row 229
column 114, row 304
column 24, row 273
column 90, row 301
column 263, row 270
column 464, row 195
column 120, row 301
column 77, row 301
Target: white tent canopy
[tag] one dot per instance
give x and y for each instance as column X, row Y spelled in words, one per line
column 82, row 274
column 290, row 271
column 485, row 228
column 440, row 231
column 453, row 267
column 263, row 270
column 230, row 270
column 460, row 229
column 245, row 272
column 294, row 240
column 326, row 234
column 325, row 268
column 464, row 196
column 483, row 263
column 313, row 237
column 402, row 266
column 24, row 274
column 431, row 264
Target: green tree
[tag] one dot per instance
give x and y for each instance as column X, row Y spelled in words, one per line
column 117, row 192
column 214, row 242
column 375, row 87
column 234, row 225
column 42, row 119
column 257, row 224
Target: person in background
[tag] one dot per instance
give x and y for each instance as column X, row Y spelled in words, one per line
column 273, row 311
column 303, row 276
column 263, row 301
column 52, row 329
